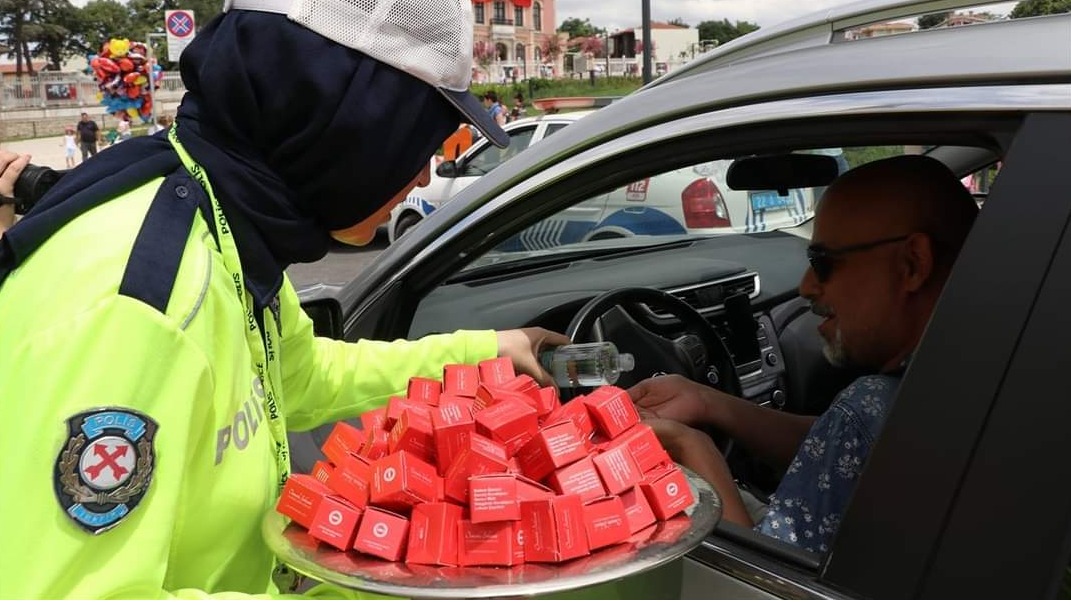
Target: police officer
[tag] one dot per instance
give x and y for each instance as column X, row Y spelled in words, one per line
column 153, row 354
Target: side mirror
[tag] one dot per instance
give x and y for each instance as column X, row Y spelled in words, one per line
column 447, row 169
column 326, row 315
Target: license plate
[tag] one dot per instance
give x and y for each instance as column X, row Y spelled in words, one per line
column 764, row 200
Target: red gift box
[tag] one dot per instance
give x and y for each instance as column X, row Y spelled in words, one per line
column 344, row 439
column 637, row 509
column 376, row 445
column 578, row 478
column 335, row 522
column 461, row 379
column 668, row 492
column 433, row 534
column 511, row 422
column 646, row 450
column 451, row 424
column 485, row 544
column 611, row 410
column 576, row 411
column 617, row 469
column 382, row 534
column 413, row 433
column 322, row 470
column 301, row 498
column 402, row 480
column 554, row 446
column 605, row 522
column 493, row 497
column 528, row 490
column 545, row 400
column 352, row 480
column 374, row 420
column 397, row 405
column 426, row 390
column 498, row 370
column 479, row 456
column 553, row 529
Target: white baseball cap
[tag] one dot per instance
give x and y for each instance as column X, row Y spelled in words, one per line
column 428, row 39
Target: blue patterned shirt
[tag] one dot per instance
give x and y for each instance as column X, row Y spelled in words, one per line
column 808, row 504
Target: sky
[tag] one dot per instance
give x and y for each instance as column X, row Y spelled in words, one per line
column 622, row 14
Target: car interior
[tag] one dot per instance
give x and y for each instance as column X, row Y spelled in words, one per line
column 720, row 308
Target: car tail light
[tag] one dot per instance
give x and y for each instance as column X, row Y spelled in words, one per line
column 704, row 206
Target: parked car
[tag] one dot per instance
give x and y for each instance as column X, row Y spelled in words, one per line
column 693, row 198
column 965, row 494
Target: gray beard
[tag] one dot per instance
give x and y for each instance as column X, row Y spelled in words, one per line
column 834, row 351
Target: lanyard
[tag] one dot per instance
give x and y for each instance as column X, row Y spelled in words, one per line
column 260, row 335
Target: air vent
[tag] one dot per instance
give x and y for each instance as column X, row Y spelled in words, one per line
column 711, row 296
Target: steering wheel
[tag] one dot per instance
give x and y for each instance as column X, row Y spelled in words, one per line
column 699, row 354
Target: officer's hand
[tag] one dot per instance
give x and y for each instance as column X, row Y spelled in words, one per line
column 523, row 346
column 11, row 165
column 674, row 397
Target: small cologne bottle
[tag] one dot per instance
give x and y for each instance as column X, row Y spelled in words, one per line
column 586, row 364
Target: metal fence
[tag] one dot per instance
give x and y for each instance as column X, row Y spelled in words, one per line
column 59, row 90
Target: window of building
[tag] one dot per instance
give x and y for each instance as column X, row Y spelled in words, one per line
column 500, row 13
column 537, row 16
column 518, row 53
column 501, row 52
column 477, row 10
column 537, row 55
column 518, row 16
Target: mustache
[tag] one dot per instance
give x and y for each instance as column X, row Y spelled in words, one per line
column 821, row 310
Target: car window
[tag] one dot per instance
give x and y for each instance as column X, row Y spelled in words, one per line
column 689, row 201
column 554, row 127
column 490, row 156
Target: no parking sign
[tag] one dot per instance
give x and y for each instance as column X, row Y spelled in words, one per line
column 180, row 30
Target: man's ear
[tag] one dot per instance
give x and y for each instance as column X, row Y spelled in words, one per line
column 918, row 261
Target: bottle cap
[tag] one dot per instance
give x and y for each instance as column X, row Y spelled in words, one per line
column 626, row 362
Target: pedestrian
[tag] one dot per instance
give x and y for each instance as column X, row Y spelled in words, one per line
column 518, row 109
column 70, row 146
column 494, row 108
column 122, row 129
column 88, row 136
column 154, row 353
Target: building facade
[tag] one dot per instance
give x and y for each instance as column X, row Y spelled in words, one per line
column 517, row 34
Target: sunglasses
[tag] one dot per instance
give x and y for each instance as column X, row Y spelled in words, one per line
column 822, row 258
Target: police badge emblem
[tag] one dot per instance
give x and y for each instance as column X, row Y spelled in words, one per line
column 105, row 467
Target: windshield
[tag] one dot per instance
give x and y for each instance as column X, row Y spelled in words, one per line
column 689, row 202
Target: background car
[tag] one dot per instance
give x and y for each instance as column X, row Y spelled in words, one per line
column 965, row 492
column 691, row 199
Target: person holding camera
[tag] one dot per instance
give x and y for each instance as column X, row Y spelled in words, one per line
column 11, row 166
column 154, row 354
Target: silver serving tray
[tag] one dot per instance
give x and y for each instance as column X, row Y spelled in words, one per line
column 662, row 543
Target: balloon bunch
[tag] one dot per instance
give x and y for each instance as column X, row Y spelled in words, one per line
column 123, row 74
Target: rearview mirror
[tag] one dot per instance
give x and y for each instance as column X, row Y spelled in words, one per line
column 782, row 172
column 447, row 169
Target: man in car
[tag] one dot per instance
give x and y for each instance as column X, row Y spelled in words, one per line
column 886, row 235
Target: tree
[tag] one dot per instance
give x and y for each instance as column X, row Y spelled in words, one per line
column 724, row 31
column 1035, row 8
column 680, row 22
column 15, row 16
column 577, row 28
column 933, row 19
column 53, row 32
column 551, row 49
column 101, row 20
column 483, row 53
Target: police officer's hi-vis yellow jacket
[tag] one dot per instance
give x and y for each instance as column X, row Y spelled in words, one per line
column 136, row 458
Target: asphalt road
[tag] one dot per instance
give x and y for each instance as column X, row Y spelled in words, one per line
column 341, row 265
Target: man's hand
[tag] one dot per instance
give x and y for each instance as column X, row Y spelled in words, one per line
column 673, row 397
column 523, row 346
column 11, row 166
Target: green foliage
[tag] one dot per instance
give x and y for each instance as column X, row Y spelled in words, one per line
column 580, row 28
column 724, row 31
column 679, row 21
column 1035, row 8
column 865, row 154
column 100, row 21
column 536, row 88
column 933, row 19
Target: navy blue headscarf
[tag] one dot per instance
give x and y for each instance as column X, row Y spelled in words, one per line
column 298, row 135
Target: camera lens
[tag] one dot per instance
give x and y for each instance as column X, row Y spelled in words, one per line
column 32, row 184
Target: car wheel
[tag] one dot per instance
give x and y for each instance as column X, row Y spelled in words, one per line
column 405, row 223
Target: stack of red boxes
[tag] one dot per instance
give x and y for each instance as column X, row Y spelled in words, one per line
column 486, row 468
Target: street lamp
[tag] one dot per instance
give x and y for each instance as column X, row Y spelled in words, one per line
column 646, row 13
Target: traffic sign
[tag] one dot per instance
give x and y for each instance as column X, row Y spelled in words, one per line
column 180, row 28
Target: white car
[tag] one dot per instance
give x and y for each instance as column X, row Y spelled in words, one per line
column 691, row 200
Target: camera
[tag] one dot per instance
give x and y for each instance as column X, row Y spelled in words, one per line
column 32, row 184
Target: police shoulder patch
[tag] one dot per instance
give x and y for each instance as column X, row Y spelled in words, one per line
column 105, row 467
